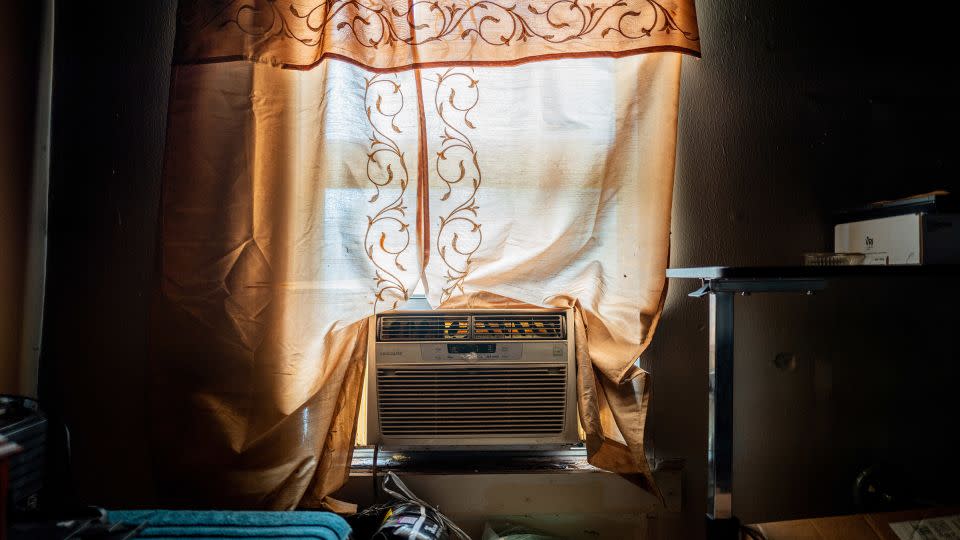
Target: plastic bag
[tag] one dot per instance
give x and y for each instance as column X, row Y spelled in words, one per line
column 513, row 531
column 409, row 521
column 412, row 518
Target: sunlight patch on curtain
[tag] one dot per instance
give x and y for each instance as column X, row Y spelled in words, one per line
column 298, row 202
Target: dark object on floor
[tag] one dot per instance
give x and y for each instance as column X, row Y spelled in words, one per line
column 74, row 530
column 411, row 521
column 21, row 422
column 7, row 450
column 882, row 488
column 366, row 522
column 416, row 513
column 233, row 524
column 84, row 523
column 723, row 528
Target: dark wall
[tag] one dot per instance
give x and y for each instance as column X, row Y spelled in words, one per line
column 793, row 111
column 19, row 48
column 111, row 78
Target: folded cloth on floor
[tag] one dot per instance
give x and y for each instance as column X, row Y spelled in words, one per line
column 196, row 524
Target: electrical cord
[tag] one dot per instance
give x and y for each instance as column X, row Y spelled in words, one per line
column 751, row 533
column 376, row 484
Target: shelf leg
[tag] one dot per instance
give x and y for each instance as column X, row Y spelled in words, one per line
column 720, row 414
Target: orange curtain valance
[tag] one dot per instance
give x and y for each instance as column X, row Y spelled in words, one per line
column 397, row 34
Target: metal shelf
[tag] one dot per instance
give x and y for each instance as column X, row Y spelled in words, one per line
column 723, row 284
column 771, row 273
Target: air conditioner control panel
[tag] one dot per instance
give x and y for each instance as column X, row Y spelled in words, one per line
column 434, row 352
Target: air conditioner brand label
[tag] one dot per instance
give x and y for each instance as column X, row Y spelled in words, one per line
column 398, row 353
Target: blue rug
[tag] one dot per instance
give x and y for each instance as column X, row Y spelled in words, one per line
column 190, row 524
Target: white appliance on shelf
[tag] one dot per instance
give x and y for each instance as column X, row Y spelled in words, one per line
column 472, row 379
column 917, row 238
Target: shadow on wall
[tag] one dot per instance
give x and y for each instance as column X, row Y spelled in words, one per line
column 792, row 113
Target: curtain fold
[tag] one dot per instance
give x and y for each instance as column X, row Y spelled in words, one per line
column 301, row 196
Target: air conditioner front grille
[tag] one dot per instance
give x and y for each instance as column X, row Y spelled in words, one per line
column 472, row 401
column 423, row 328
column 533, row 326
column 506, row 326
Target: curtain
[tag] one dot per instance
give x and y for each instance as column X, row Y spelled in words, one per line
column 325, row 158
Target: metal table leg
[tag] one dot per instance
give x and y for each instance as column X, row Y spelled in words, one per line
column 720, row 520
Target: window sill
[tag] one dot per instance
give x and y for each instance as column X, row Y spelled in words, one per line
column 551, row 482
column 572, row 460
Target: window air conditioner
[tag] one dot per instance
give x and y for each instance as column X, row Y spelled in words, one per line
column 459, row 379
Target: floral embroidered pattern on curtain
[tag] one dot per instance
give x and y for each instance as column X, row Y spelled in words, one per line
column 456, row 249
column 399, row 34
column 385, row 150
column 500, row 153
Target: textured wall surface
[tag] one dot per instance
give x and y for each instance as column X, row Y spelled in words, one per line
column 790, row 114
column 794, row 112
column 18, row 63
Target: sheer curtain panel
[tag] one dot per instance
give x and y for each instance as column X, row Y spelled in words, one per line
column 325, row 158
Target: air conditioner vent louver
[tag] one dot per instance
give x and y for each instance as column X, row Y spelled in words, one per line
column 477, row 327
column 423, row 328
column 545, row 326
column 470, row 401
